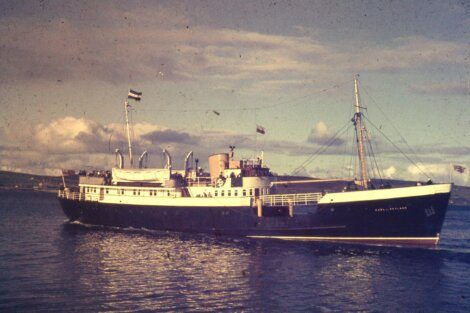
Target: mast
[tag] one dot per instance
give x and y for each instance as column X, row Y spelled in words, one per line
column 126, row 108
column 360, row 136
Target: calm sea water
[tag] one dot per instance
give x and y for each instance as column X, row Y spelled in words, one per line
column 47, row 264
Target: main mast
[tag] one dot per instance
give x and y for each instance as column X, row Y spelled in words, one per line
column 360, row 136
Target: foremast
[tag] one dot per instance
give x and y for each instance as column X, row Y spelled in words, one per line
column 360, row 136
column 126, row 110
column 135, row 95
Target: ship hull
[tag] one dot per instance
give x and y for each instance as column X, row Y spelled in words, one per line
column 407, row 220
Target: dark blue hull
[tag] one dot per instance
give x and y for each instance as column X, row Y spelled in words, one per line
column 378, row 220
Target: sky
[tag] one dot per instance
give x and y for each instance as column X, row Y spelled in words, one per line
column 211, row 71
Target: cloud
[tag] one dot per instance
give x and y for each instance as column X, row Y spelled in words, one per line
column 442, row 89
column 437, row 170
column 170, row 136
column 82, row 143
column 71, row 142
column 322, row 135
column 141, row 44
column 72, row 135
column 411, row 52
column 390, row 171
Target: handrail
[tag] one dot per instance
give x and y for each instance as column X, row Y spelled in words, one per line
column 199, row 181
column 86, row 196
column 294, row 199
column 80, row 196
column 268, row 200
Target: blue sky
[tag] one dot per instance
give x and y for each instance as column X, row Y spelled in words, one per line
column 286, row 65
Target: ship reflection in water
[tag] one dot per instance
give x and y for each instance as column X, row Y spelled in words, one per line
column 135, row 270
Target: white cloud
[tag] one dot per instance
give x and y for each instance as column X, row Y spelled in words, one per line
column 437, row 171
column 71, row 135
column 442, row 172
column 322, row 135
column 390, row 171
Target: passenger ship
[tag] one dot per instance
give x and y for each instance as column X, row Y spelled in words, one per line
column 243, row 198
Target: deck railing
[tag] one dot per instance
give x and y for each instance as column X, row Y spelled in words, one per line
column 199, row 181
column 294, row 199
column 80, row 196
column 267, row 200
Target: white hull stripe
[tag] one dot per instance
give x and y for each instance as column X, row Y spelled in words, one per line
column 383, row 194
column 315, row 238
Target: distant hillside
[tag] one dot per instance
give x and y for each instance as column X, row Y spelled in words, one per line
column 21, row 181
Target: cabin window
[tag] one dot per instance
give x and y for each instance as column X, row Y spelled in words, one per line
column 229, row 193
column 235, row 193
column 244, row 192
column 107, row 190
column 151, row 193
column 133, row 192
column 216, row 193
column 138, row 192
column 222, row 193
column 257, row 191
column 94, row 190
column 251, row 192
column 168, row 193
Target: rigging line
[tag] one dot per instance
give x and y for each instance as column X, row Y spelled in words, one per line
column 393, row 126
column 396, row 147
column 353, row 159
column 303, row 97
column 318, row 151
column 370, row 153
column 343, row 165
column 336, row 86
column 325, row 148
column 378, row 155
column 371, row 150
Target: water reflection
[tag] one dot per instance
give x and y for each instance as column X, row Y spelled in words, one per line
column 131, row 270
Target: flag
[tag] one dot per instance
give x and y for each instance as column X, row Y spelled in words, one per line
column 459, row 168
column 134, row 95
column 260, row 129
